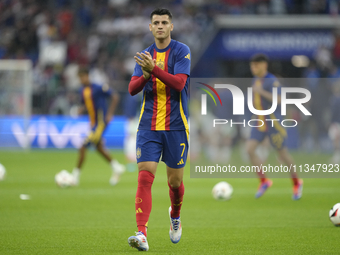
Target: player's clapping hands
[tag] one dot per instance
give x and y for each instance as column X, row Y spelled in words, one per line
column 146, row 62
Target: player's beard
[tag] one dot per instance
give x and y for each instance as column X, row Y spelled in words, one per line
column 162, row 36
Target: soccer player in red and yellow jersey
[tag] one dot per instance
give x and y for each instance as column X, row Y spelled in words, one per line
column 94, row 98
column 162, row 74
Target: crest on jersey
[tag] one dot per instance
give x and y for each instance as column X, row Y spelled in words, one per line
column 160, row 64
column 138, row 153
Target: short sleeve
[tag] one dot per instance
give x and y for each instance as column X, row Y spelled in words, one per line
column 276, row 84
column 271, row 83
column 183, row 60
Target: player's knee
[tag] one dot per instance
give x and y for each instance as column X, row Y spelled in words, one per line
column 82, row 148
column 284, row 156
column 175, row 181
column 98, row 147
column 250, row 150
column 280, row 155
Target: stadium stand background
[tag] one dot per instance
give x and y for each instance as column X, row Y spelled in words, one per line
column 105, row 34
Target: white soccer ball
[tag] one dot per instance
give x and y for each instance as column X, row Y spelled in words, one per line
column 222, row 191
column 2, row 172
column 64, row 179
column 334, row 215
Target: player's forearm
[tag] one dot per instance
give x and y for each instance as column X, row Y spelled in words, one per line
column 113, row 105
column 176, row 82
column 136, row 84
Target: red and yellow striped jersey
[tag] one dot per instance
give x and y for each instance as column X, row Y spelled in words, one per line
column 260, row 103
column 94, row 97
column 164, row 108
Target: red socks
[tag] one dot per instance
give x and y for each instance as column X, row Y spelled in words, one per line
column 143, row 202
column 295, row 181
column 262, row 180
column 176, row 197
column 261, row 176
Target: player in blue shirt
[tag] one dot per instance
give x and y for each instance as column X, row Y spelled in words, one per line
column 162, row 74
column 94, row 97
column 263, row 85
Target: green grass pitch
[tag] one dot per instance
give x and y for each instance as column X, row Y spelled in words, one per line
column 95, row 218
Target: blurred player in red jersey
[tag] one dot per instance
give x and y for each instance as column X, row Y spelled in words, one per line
column 162, row 72
column 263, row 84
column 94, row 98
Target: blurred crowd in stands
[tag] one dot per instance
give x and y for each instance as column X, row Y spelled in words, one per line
column 106, row 34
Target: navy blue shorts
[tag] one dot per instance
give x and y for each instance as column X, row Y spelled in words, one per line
column 171, row 145
column 277, row 136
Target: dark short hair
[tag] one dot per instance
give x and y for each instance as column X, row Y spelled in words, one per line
column 260, row 57
column 161, row 11
column 83, row 70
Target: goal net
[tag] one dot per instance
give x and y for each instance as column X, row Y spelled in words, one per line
column 15, row 102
